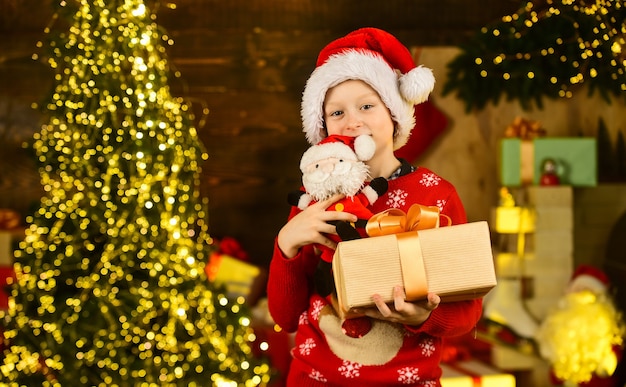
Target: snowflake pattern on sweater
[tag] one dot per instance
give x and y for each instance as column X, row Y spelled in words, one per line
column 306, row 347
column 428, row 347
column 408, row 375
column 397, row 198
column 349, row 369
column 430, row 180
column 317, row 308
column 316, row 375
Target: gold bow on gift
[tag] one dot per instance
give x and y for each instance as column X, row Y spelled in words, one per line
column 524, row 129
column 394, row 220
column 404, row 226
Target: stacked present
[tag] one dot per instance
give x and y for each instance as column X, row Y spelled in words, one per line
column 475, row 359
column 229, row 267
column 467, row 360
column 411, row 249
column 526, row 149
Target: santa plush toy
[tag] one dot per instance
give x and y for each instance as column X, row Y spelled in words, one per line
column 582, row 337
column 336, row 165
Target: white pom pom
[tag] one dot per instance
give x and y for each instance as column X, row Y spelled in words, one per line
column 416, row 85
column 364, row 147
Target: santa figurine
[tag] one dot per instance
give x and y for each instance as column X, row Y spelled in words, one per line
column 582, row 338
column 336, row 165
column 549, row 173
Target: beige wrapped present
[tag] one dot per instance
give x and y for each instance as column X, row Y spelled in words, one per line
column 454, row 262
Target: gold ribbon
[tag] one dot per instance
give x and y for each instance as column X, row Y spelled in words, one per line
column 413, row 270
column 395, row 221
column 524, row 129
column 527, row 161
column 405, row 227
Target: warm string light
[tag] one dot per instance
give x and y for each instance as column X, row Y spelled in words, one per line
column 587, row 49
column 110, row 277
column 554, row 49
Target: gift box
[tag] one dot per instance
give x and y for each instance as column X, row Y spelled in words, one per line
column 521, row 160
column 474, row 373
column 455, row 262
column 240, row 278
column 513, row 220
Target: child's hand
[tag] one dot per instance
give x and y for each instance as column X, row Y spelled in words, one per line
column 403, row 312
column 310, row 226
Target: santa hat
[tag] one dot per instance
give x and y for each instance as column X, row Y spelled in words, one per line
column 380, row 60
column 360, row 148
column 591, row 278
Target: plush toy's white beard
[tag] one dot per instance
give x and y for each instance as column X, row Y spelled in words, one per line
column 347, row 181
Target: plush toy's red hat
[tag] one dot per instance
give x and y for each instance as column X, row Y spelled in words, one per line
column 377, row 58
column 590, row 277
column 360, row 148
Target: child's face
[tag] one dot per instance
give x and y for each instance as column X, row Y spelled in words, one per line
column 353, row 108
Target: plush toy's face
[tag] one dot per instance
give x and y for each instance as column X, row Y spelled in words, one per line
column 331, row 175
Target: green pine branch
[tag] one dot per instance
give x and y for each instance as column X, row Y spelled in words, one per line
column 546, row 51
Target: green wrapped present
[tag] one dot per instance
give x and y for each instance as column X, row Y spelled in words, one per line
column 521, row 160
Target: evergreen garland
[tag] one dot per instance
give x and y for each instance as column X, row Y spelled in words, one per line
column 546, row 49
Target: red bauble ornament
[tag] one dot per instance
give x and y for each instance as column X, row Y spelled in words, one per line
column 549, row 174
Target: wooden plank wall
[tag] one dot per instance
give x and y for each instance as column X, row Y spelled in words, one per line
column 244, row 62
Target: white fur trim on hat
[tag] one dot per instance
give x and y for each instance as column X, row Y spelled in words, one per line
column 589, row 282
column 399, row 94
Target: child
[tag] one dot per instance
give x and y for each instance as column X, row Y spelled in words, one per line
column 364, row 83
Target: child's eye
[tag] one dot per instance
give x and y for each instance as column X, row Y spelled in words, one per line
column 336, row 113
column 367, row 107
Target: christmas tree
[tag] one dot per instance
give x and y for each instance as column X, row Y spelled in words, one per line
column 111, row 288
column 548, row 48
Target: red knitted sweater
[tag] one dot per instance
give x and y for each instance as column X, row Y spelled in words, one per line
column 390, row 354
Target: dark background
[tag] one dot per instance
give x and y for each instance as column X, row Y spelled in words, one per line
column 246, row 63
